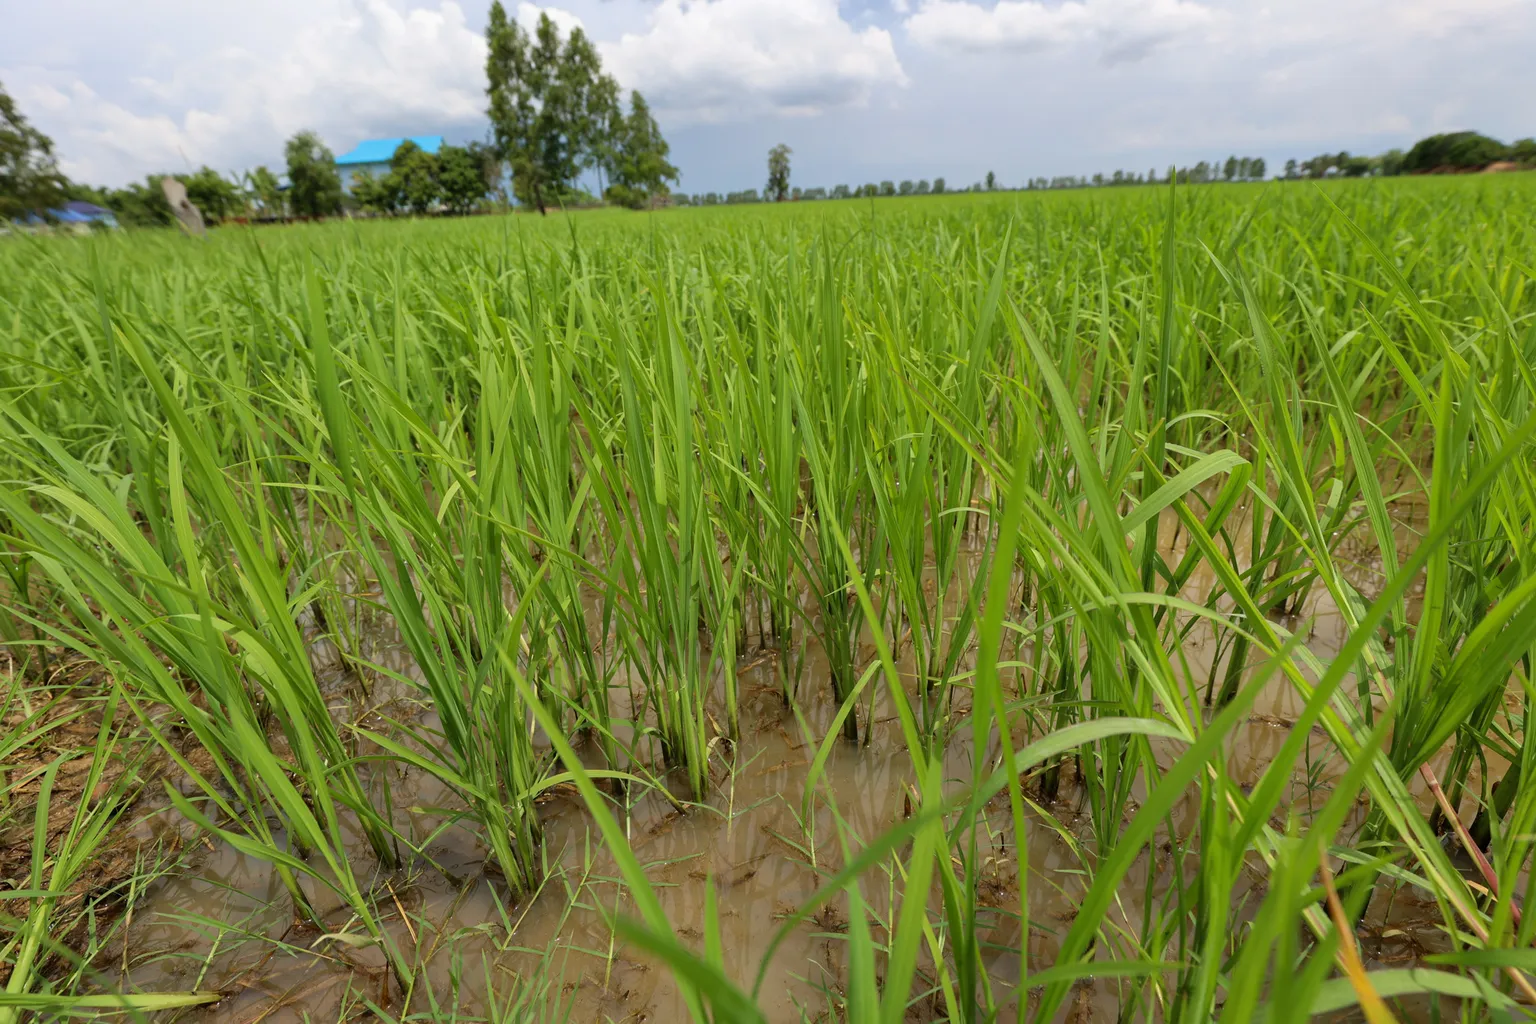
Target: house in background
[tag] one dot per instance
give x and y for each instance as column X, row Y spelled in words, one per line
column 373, row 156
column 77, row 215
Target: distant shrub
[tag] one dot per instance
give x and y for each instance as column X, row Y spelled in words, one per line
column 1455, row 149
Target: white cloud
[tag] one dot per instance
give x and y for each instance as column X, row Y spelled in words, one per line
column 712, row 60
column 1122, row 30
column 356, row 69
column 528, row 17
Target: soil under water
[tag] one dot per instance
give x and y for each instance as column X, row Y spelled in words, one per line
column 224, row 922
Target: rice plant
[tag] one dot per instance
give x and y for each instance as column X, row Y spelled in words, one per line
column 1061, row 499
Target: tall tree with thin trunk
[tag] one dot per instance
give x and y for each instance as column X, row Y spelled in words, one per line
column 551, row 106
column 637, row 157
column 778, row 173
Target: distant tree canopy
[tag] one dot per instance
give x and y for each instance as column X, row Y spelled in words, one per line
column 1453, row 151
column 636, row 157
column 413, row 176
column 553, row 111
column 778, row 173
column 219, row 198
column 465, row 174
column 314, row 186
column 30, row 180
column 264, row 194
column 134, row 205
column 1457, row 149
column 216, row 196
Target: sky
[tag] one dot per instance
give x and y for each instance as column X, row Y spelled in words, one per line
column 864, row 90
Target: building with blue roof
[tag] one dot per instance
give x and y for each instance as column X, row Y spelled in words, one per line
column 75, row 213
column 373, row 156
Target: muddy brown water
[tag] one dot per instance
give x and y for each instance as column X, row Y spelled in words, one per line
column 224, row 923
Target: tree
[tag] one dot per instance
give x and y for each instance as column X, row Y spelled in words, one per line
column 30, row 180
column 263, row 193
column 938, row 186
column 905, row 188
column 460, row 178
column 1291, row 171
column 991, row 181
column 1256, row 168
column 314, row 187
column 553, row 111
column 887, row 188
column 374, row 194
column 637, row 157
column 778, row 173
column 1457, row 150
column 922, row 187
column 134, row 205
column 841, row 192
column 413, row 178
column 212, row 193
column 1522, row 151
column 1229, row 169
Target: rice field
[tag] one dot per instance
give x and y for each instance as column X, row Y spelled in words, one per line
column 1085, row 606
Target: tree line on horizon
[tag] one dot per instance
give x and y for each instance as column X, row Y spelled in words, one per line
column 557, row 115
column 1448, row 153
column 1443, row 153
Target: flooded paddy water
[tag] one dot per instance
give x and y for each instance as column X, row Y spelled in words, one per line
column 222, row 922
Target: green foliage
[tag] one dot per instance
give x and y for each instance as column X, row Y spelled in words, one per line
column 637, row 157
column 136, row 204
column 1054, row 502
column 1458, row 150
column 263, row 192
column 778, row 173
column 461, row 177
column 375, row 193
column 413, row 180
column 551, row 105
column 215, row 195
column 314, row 186
column 30, row 180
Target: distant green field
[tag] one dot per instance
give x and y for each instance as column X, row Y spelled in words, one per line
column 1017, row 605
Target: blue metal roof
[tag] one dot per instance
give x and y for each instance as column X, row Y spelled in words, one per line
column 378, row 151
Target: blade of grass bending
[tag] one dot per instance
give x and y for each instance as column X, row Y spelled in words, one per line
column 629, row 865
column 702, row 976
column 95, row 1006
column 902, row 962
column 1339, row 993
column 1159, row 804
